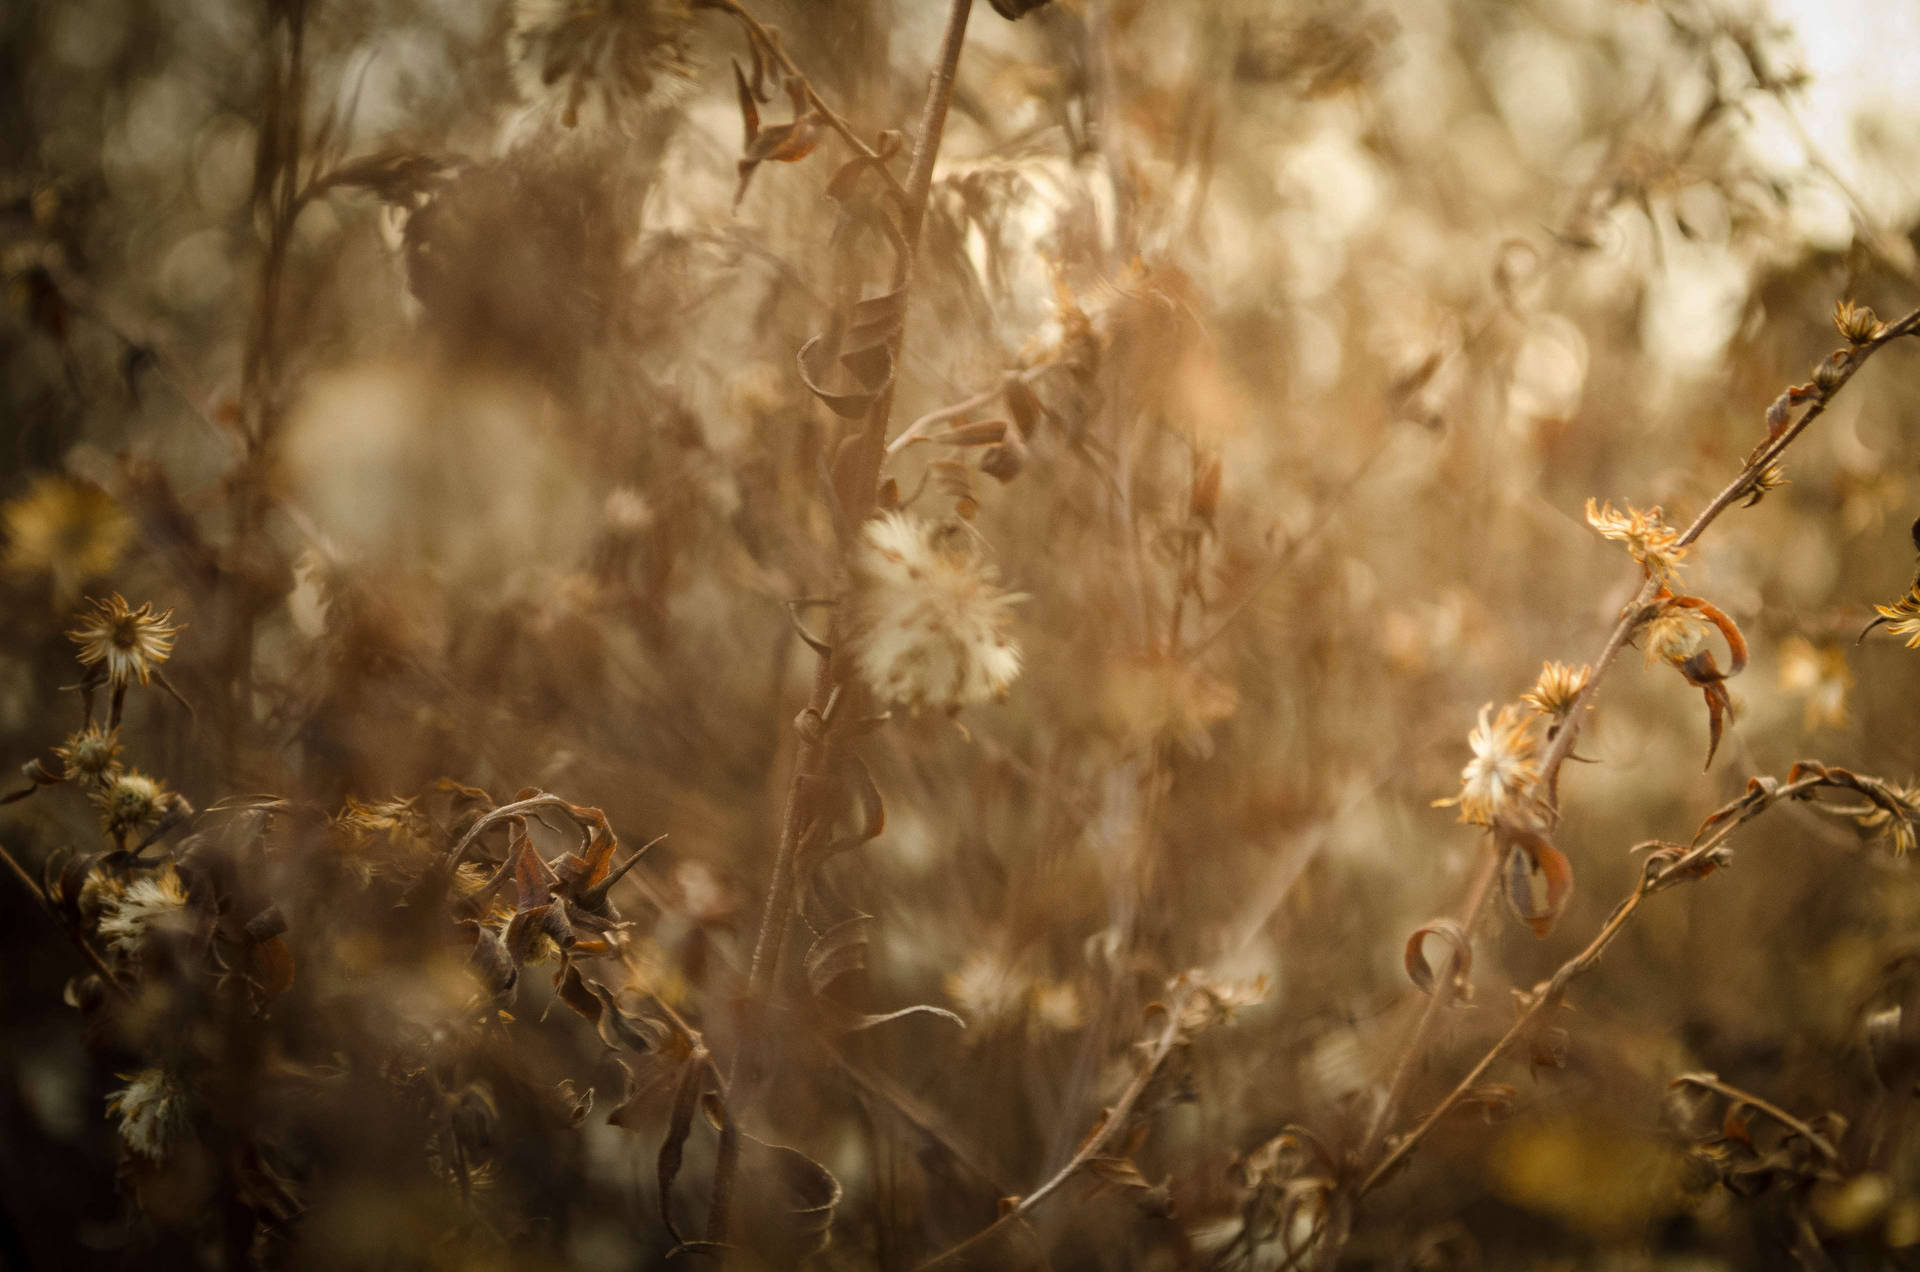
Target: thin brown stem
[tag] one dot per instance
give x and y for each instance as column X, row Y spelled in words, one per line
column 1742, row 485
column 1549, row 994
column 1711, row 1082
column 1113, row 1122
column 769, row 39
column 858, row 494
column 98, row 964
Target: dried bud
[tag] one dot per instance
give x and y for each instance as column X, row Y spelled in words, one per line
column 1005, row 461
column 1857, row 323
column 1829, row 374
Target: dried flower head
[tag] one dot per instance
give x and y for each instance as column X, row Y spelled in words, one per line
column 152, row 1109
column 1498, row 781
column 1897, row 827
column 91, row 753
column 130, row 642
column 1653, row 543
column 1821, row 676
column 1674, row 635
column 1767, row 480
column 70, row 530
column 1903, row 617
column 926, row 617
column 130, row 800
column 616, row 55
column 1554, row 693
column 1857, row 323
column 156, row 902
column 990, row 991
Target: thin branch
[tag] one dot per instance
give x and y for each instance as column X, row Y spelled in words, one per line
column 1549, row 994
column 769, row 39
column 1112, row 1123
column 918, row 429
column 1743, row 484
column 98, row 964
column 1711, row 1082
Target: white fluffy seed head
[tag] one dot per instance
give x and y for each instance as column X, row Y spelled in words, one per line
column 927, row 618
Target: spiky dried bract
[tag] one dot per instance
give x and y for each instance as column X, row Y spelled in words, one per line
column 1498, row 782
column 129, row 642
column 70, row 530
column 129, row 801
column 1857, row 323
column 1903, row 616
column 152, row 1112
column 621, row 55
column 1653, row 543
column 157, row 901
column 1558, row 687
column 927, row 620
column 92, row 752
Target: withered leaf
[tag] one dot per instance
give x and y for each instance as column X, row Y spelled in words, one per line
column 1424, row 974
column 840, row 949
column 1537, row 879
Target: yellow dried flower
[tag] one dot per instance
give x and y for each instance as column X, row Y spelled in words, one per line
column 1653, row 543
column 68, row 529
column 90, row 753
column 1500, row 777
column 130, row 642
column 1903, row 616
column 1553, row 694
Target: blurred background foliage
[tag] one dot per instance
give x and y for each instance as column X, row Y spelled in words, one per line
column 514, row 482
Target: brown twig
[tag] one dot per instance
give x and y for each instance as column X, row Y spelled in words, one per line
column 1712, row 1082
column 815, row 754
column 1112, row 1123
column 98, row 964
column 1549, row 993
column 769, row 39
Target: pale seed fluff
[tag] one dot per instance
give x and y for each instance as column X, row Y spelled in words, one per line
column 927, row 620
column 156, row 901
column 152, row 1112
column 1498, row 781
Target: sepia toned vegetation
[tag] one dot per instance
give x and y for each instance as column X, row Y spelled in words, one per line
column 906, row 634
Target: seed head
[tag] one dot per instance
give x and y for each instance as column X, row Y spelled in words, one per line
column 129, row 801
column 152, row 1112
column 1498, row 781
column 927, row 620
column 131, row 642
column 91, row 753
column 617, row 56
column 155, row 902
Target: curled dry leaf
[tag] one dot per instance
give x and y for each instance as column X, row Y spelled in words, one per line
column 1423, row 973
column 1536, row 877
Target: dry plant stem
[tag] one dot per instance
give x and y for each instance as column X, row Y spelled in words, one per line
column 1113, row 1123
column 918, row 429
column 770, row 40
column 1561, row 746
column 87, row 951
column 1548, row 995
column 1769, row 452
column 1707, row 1082
column 814, row 759
column 1479, row 891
